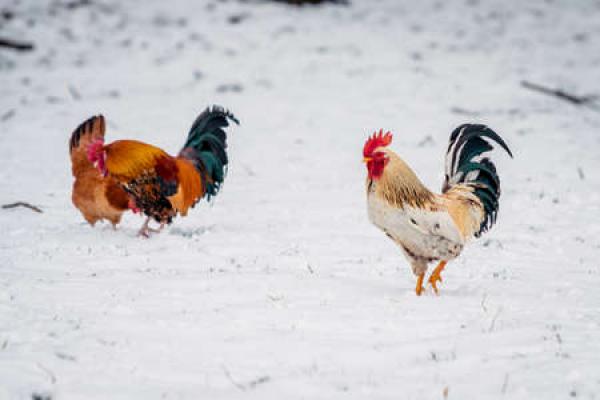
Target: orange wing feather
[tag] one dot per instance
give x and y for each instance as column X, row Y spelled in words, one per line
column 128, row 159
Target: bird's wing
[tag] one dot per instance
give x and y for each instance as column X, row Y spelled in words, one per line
column 432, row 222
column 430, row 234
column 427, row 232
column 129, row 159
column 147, row 173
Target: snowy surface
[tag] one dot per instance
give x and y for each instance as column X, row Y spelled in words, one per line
column 282, row 289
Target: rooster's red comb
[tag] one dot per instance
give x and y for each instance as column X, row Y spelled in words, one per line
column 375, row 141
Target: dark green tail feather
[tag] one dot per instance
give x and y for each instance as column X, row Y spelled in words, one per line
column 464, row 165
column 206, row 146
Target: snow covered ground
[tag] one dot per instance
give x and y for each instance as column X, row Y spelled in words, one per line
column 282, row 289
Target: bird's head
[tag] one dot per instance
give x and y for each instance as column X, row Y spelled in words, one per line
column 375, row 153
column 97, row 156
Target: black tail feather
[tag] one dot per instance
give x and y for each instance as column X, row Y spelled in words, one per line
column 465, row 165
column 206, row 147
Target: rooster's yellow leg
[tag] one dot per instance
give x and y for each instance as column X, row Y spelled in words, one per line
column 436, row 275
column 419, row 289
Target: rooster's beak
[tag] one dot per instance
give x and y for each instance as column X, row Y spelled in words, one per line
column 367, row 159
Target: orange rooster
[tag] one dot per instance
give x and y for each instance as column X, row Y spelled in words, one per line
column 96, row 197
column 162, row 186
column 427, row 226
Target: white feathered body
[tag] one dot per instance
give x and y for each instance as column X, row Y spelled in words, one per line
column 426, row 226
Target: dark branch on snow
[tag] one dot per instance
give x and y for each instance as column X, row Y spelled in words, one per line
column 16, row 45
column 558, row 93
column 22, row 204
column 303, row 2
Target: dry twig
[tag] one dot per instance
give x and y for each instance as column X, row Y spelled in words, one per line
column 589, row 101
column 23, row 204
column 16, row 45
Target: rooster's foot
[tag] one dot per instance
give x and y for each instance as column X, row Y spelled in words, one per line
column 145, row 229
column 436, row 276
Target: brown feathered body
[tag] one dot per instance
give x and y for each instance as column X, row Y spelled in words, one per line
column 161, row 185
column 164, row 186
column 97, row 197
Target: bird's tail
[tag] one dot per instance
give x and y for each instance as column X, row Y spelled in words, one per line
column 467, row 165
column 206, row 146
column 86, row 133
